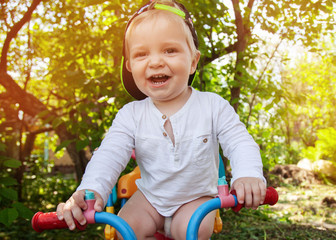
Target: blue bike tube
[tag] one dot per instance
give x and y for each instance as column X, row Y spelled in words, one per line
column 117, row 222
column 198, row 216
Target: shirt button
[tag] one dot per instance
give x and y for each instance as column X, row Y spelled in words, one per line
column 165, row 134
column 164, row 116
column 205, row 140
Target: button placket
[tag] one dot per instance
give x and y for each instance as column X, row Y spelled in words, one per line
column 164, row 133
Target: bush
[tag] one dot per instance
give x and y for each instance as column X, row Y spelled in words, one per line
column 325, row 146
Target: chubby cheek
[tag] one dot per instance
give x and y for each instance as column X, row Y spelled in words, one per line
column 139, row 79
column 137, row 72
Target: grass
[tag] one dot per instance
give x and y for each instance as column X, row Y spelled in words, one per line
column 299, row 214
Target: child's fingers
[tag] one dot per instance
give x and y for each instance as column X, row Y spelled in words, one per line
column 262, row 187
column 77, row 214
column 99, row 205
column 256, row 193
column 72, row 210
column 248, row 195
column 250, row 191
column 240, row 191
column 78, row 198
column 259, row 193
column 59, row 211
column 67, row 214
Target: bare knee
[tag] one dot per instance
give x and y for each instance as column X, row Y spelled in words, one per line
column 141, row 216
column 205, row 231
column 182, row 216
column 143, row 225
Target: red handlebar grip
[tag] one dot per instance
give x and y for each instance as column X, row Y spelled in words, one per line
column 43, row 221
column 271, row 198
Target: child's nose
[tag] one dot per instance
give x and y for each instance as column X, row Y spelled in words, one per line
column 155, row 60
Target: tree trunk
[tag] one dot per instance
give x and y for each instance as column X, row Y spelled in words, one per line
column 242, row 40
column 78, row 157
column 25, row 152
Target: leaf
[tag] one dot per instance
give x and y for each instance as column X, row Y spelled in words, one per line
column 43, row 113
column 8, row 215
column 63, row 145
column 56, row 122
column 12, row 163
column 8, row 181
column 2, row 147
column 23, row 211
column 82, row 144
column 9, row 193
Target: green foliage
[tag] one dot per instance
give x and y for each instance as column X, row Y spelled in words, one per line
column 325, row 146
column 11, row 209
column 41, row 191
column 307, row 103
column 72, row 52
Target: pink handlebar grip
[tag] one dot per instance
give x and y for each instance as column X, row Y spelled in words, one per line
column 43, row 221
column 271, row 198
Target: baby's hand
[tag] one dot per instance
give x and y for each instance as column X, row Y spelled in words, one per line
column 73, row 208
column 250, row 190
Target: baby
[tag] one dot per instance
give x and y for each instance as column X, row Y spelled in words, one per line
column 175, row 131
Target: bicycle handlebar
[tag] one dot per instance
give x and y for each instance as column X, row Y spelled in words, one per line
column 47, row 221
column 44, row 221
column 271, row 198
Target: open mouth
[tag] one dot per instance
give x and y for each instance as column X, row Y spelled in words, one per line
column 159, row 79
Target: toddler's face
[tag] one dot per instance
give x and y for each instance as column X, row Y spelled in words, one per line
column 160, row 59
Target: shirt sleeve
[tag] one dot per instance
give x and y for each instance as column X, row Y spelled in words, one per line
column 111, row 158
column 237, row 144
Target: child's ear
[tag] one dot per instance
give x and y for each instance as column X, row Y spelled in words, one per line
column 195, row 62
column 128, row 66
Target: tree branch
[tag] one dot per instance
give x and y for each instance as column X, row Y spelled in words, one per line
column 239, row 25
column 251, row 104
column 13, row 32
column 28, row 102
column 241, row 32
column 214, row 56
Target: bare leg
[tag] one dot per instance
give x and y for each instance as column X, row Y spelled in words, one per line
column 141, row 216
column 182, row 216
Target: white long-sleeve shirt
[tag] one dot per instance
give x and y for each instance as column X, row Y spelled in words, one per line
column 174, row 174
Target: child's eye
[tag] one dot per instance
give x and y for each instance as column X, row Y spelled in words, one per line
column 170, row 50
column 139, row 54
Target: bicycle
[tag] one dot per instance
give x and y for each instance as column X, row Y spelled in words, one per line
column 225, row 199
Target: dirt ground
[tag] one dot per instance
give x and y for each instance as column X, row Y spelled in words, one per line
column 303, row 197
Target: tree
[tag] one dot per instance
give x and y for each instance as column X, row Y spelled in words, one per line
column 74, row 52
column 230, row 31
column 309, row 92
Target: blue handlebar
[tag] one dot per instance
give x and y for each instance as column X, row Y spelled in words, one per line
column 198, row 216
column 117, row 222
